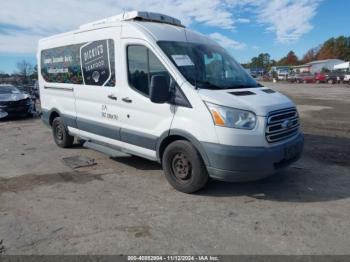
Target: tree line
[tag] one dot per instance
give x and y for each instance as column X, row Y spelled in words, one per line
column 333, row 48
column 25, row 73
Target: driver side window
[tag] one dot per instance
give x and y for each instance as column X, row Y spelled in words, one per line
column 142, row 65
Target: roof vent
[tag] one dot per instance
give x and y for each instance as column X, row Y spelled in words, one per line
column 135, row 15
column 242, row 93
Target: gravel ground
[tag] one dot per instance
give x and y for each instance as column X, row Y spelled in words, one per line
column 125, row 206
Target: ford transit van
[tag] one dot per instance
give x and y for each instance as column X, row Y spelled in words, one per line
column 142, row 84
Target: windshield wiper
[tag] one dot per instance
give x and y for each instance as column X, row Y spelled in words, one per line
column 205, row 84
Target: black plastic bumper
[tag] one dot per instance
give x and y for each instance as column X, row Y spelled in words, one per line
column 238, row 164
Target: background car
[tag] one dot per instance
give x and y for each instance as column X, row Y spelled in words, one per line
column 302, row 78
column 320, row 78
column 347, row 78
column 335, row 77
column 282, row 76
column 15, row 103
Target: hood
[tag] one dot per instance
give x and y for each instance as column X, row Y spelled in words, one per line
column 13, row 97
column 261, row 101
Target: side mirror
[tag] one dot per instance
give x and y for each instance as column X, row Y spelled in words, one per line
column 159, row 92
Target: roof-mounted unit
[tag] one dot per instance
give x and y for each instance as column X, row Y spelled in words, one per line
column 135, row 15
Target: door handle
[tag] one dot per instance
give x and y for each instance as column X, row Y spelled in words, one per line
column 113, row 97
column 127, row 100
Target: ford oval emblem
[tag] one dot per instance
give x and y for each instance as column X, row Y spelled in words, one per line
column 286, row 124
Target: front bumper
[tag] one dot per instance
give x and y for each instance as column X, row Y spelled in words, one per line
column 18, row 109
column 238, row 164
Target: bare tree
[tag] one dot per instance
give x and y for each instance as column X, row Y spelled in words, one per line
column 25, row 69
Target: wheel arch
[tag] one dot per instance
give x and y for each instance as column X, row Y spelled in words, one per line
column 175, row 134
column 54, row 113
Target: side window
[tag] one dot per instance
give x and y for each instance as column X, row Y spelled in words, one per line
column 62, row 65
column 138, row 68
column 142, row 65
column 89, row 63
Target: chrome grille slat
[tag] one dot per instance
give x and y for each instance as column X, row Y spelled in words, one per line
column 283, row 132
column 282, row 125
column 274, row 132
column 270, row 121
column 281, row 139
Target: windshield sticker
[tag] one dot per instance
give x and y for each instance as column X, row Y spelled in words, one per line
column 182, row 60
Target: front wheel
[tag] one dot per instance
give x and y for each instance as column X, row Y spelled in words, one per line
column 60, row 134
column 183, row 167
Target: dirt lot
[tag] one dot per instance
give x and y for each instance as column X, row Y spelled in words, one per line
column 125, row 206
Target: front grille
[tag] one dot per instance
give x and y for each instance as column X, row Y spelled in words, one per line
column 282, row 124
column 21, row 102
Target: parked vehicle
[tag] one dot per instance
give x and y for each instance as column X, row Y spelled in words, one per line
column 306, row 78
column 142, row 84
column 282, row 75
column 335, row 77
column 291, row 77
column 14, row 103
column 302, row 78
column 347, row 77
column 320, row 78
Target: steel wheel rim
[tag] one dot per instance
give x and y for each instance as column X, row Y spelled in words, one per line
column 59, row 133
column 181, row 167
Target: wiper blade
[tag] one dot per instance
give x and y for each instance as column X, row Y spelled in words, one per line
column 208, row 84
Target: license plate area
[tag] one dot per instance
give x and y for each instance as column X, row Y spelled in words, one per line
column 291, row 152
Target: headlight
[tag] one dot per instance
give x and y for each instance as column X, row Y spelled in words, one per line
column 231, row 117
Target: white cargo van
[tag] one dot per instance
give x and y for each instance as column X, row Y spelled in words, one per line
column 142, row 84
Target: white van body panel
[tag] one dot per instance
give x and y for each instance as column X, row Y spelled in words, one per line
column 123, row 147
column 260, row 102
column 200, row 123
column 53, row 97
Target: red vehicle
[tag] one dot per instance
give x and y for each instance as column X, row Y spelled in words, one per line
column 303, row 78
column 320, row 78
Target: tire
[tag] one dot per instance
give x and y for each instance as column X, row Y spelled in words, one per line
column 60, row 134
column 183, row 167
column 318, row 81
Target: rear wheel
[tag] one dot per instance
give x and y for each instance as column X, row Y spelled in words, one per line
column 60, row 134
column 184, row 167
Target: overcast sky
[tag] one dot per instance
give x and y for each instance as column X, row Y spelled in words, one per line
column 245, row 27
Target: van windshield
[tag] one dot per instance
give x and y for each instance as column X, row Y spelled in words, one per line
column 207, row 66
